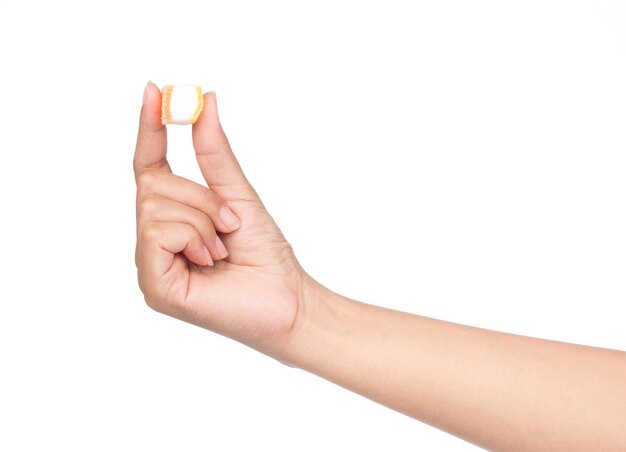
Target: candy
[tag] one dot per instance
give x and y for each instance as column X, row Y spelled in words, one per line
column 181, row 104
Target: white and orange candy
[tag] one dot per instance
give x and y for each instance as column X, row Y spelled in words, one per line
column 181, row 104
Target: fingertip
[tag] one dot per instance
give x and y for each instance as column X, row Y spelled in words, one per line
column 199, row 255
column 151, row 109
column 208, row 258
column 229, row 219
column 208, row 116
column 207, row 133
column 151, row 86
column 210, row 97
column 146, row 90
column 222, row 252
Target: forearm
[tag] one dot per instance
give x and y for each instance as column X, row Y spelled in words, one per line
column 497, row 390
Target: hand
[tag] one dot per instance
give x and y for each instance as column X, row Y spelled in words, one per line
column 211, row 256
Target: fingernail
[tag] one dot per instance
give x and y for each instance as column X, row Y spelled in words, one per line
column 145, row 93
column 229, row 219
column 221, row 249
column 208, row 256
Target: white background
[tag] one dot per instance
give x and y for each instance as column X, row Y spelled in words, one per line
column 460, row 160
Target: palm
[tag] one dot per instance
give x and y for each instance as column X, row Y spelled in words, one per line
column 255, row 290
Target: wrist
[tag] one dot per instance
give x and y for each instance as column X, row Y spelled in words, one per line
column 319, row 315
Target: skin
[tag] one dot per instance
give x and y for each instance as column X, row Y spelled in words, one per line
column 215, row 258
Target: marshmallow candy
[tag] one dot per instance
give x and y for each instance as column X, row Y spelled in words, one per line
column 181, row 104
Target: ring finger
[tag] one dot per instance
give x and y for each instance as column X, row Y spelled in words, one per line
column 159, row 208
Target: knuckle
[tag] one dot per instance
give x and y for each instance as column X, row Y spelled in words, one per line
column 148, row 204
column 151, row 232
column 146, row 179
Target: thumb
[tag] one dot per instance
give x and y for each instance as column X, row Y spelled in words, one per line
column 215, row 157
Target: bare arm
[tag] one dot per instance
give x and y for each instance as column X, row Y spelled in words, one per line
column 213, row 256
column 497, row 390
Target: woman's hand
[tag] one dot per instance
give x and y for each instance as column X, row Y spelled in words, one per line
column 211, row 256
column 485, row 386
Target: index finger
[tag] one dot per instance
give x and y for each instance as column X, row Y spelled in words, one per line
column 151, row 147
